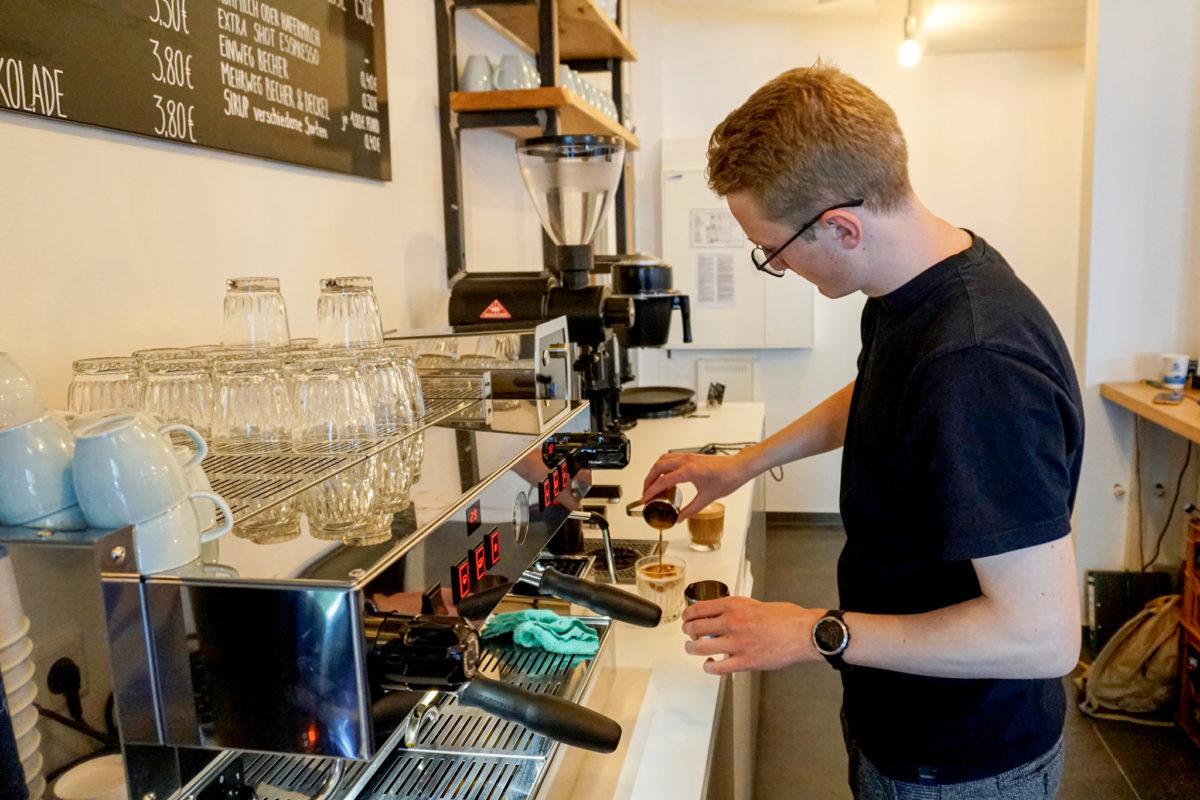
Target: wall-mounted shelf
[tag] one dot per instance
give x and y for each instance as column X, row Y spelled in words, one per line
column 575, row 115
column 584, row 31
column 1183, row 419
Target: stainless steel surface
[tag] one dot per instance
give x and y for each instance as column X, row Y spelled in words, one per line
column 600, row 522
column 462, row 753
column 626, row 553
column 253, row 481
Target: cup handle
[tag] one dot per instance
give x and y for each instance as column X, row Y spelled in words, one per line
column 219, row 502
column 223, row 570
column 191, row 433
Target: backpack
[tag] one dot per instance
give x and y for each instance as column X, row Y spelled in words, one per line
column 1137, row 670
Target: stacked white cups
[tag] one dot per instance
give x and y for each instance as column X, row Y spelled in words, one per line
column 36, row 449
column 127, row 472
column 17, row 670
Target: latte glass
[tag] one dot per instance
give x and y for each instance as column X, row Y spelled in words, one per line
column 255, row 314
column 348, row 313
column 252, row 410
column 100, row 384
column 180, row 390
column 661, row 580
column 332, row 414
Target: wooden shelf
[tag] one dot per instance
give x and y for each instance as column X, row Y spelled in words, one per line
column 575, row 116
column 1183, row 419
column 584, row 31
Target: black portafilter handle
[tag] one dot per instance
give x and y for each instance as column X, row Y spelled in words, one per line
column 562, row 720
column 601, row 598
column 602, row 450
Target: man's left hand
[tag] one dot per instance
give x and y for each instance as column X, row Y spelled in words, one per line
column 753, row 635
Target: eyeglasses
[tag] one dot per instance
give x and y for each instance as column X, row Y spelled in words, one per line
column 760, row 258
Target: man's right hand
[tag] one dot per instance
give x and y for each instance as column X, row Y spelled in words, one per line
column 713, row 476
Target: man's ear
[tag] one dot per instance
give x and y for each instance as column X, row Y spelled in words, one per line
column 845, row 226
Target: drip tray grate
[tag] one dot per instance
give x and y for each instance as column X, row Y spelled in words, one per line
column 626, row 552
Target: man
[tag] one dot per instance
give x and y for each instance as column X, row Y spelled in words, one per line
column 962, row 438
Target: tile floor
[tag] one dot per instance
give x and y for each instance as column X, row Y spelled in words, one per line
column 800, row 752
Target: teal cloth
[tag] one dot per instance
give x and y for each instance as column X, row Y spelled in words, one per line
column 546, row 630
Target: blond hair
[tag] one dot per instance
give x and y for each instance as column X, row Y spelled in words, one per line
column 811, row 138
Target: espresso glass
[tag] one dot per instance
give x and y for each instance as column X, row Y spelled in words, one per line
column 255, row 314
column 252, row 410
column 99, row 384
column 180, row 390
column 332, row 415
column 348, row 313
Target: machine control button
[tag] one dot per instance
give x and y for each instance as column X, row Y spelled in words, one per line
column 460, row 580
column 479, row 561
column 493, row 548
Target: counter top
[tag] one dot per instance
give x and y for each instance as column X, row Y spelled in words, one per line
column 1138, row 397
column 666, row 751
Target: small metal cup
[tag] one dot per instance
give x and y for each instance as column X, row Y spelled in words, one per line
column 705, row 590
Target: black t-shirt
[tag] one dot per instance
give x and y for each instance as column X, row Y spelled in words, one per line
column 964, row 440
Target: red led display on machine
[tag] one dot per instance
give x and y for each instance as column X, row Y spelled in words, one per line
column 565, row 472
column 460, row 580
column 493, row 548
column 546, row 494
column 474, row 518
column 479, row 561
column 558, row 482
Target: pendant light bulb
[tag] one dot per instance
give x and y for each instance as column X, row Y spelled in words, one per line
column 910, row 50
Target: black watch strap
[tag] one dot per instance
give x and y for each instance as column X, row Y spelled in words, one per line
column 834, row 618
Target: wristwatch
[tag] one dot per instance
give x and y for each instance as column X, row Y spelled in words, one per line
column 831, row 638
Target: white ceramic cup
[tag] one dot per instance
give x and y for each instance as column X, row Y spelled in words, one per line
column 24, row 720
column 512, row 73
column 32, row 766
column 1174, row 371
column 100, row 778
column 127, row 472
column 19, row 398
column 198, row 482
column 173, row 538
column 476, row 74
column 37, row 787
column 35, row 470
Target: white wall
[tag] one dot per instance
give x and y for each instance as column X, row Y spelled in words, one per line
column 994, row 143
column 111, row 242
column 1140, row 231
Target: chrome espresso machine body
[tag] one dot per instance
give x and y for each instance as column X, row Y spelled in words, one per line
column 257, row 671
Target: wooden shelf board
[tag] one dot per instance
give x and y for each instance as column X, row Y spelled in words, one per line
column 584, row 31
column 575, row 115
column 1183, row 419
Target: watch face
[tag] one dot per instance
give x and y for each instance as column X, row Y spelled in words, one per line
column 830, row 635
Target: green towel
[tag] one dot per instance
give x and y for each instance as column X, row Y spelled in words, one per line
column 546, row 630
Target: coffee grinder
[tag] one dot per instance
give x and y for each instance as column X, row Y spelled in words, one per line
column 572, row 181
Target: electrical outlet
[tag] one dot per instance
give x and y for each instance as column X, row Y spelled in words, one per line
column 66, row 643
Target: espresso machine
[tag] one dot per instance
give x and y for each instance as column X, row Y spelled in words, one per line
column 571, row 181
column 299, row 667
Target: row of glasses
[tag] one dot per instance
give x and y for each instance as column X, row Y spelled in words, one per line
column 255, row 314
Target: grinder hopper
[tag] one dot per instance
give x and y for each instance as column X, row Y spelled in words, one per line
column 572, row 181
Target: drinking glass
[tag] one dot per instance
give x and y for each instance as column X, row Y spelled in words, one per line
column 661, row 580
column 252, row 408
column 388, row 392
column 146, row 356
column 332, row 414
column 255, row 314
column 348, row 313
column 104, row 383
column 414, row 445
column 180, row 390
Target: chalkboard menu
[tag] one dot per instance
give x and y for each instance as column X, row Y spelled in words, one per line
column 302, row 81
